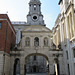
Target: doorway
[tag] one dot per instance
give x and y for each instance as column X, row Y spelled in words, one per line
column 34, row 69
column 36, row 64
column 16, row 67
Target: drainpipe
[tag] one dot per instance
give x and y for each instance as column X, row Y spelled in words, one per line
column 5, row 50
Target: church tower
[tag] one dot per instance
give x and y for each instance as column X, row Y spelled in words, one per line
column 34, row 16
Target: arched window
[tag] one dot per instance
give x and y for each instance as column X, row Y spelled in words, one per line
column 27, row 41
column 45, row 41
column 36, row 41
column 34, row 6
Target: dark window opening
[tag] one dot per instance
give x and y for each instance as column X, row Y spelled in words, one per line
column 67, row 54
column 35, row 57
column 34, row 8
column 21, row 35
column 34, row 5
column 0, row 25
column 68, row 70
column 36, row 41
column 34, row 68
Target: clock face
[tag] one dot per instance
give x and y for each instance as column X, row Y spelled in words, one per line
column 35, row 17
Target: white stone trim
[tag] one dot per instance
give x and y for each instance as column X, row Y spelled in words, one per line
column 2, row 52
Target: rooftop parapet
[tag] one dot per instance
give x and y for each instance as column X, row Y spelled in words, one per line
column 19, row 22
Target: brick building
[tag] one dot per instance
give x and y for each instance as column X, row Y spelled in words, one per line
column 7, row 41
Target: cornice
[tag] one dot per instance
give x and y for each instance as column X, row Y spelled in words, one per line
column 70, row 5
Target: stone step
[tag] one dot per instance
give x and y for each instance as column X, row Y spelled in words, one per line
column 37, row 74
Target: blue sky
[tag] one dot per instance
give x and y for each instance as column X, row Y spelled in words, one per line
column 18, row 9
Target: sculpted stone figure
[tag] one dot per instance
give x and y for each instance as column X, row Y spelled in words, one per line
column 45, row 42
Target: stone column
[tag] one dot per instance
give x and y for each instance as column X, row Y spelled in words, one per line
column 47, row 68
column 57, row 66
column 73, row 20
column 22, row 62
column 56, row 39
column 67, row 28
column 71, row 30
column 41, row 41
column 31, row 41
column 56, row 70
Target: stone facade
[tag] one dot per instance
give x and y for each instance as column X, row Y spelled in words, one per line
column 7, row 41
column 34, row 39
column 64, row 29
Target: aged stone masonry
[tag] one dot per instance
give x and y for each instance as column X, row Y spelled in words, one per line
column 31, row 48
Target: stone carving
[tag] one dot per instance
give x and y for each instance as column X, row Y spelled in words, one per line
column 27, row 41
column 45, row 42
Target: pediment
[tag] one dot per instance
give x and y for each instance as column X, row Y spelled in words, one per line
column 37, row 28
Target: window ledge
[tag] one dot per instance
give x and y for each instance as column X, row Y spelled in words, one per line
column 26, row 46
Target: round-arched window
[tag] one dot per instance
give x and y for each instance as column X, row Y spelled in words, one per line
column 36, row 41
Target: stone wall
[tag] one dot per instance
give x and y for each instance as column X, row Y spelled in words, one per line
column 7, row 64
column 1, row 64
